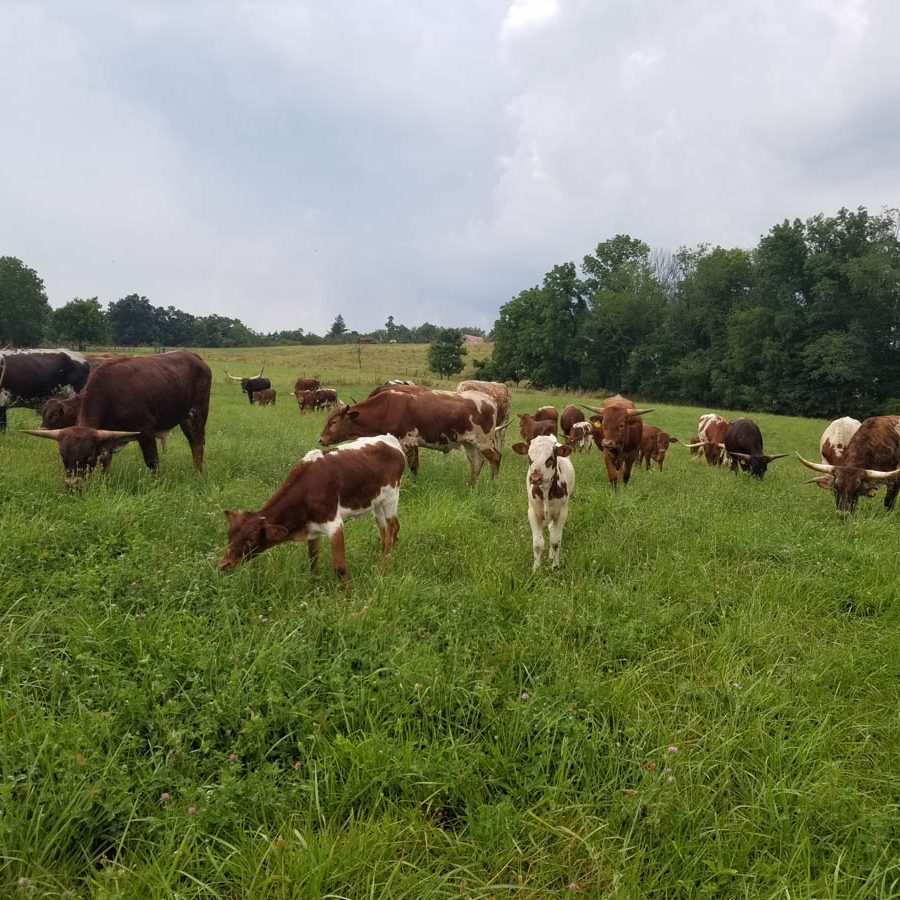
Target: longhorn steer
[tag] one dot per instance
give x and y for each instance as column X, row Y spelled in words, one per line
column 439, row 420
column 836, row 438
column 250, row 386
column 136, row 398
column 617, row 432
column 710, row 438
column 744, row 444
column 30, row 377
column 548, row 486
column 322, row 490
column 872, row 457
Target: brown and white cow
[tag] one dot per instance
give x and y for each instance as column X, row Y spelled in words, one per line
column 710, row 439
column 496, row 390
column 835, row 439
column 570, row 415
column 581, row 436
column 320, row 492
column 438, row 420
column 530, row 427
column 265, row 397
column 136, row 398
column 872, row 458
column 548, row 486
column 617, row 432
column 654, row 444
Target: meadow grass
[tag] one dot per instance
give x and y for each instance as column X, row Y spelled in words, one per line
column 454, row 725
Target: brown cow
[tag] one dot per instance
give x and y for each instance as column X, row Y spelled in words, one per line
column 617, row 432
column 654, row 444
column 871, row 457
column 548, row 414
column 570, row 415
column 439, row 420
column 711, row 433
column 319, row 493
column 530, row 427
column 265, row 397
column 136, row 398
column 306, row 384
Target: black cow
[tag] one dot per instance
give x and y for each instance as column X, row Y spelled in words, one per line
column 30, row 377
column 250, row 385
column 744, row 444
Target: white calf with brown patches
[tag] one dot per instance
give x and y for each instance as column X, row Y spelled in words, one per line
column 581, row 436
column 548, row 486
column 320, row 492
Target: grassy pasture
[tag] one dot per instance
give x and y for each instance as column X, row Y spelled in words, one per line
column 454, row 725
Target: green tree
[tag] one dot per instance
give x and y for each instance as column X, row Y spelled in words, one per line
column 133, row 321
column 338, row 328
column 24, row 310
column 82, row 322
column 445, row 355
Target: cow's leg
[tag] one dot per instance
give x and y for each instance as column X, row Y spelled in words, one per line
column 412, row 459
column 338, row 559
column 555, row 527
column 891, row 496
column 537, row 536
column 627, row 463
column 312, row 549
column 612, row 471
column 2, row 418
column 476, row 461
column 147, row 444
column 493, row 457
column 385, row 512
column 195, row 432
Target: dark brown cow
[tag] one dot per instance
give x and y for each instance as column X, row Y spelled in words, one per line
column 319, row 493
column 710, row 438
column 439, row 420
column 530, row 428
column 306, row 384
column 265, row 397
column 321, row 398
column 548, row 414
column 872, row 457
column 570, row 415
column 617, row 432
column 654, row 444
column 30, row 377
column 136, row 398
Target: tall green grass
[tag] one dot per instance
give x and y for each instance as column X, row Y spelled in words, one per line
column 453, row 725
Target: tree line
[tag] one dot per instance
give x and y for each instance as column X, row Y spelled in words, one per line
column 27, row 320
column 805, row 323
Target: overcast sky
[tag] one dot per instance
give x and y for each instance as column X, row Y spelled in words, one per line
column 285, row 161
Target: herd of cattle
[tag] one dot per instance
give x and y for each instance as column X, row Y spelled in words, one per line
column 92, row 406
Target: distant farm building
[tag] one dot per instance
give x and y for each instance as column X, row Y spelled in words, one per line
column 473, row 339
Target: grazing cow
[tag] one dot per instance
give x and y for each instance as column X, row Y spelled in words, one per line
column 871, row 457
column 265, row 397
column 744, row 444
column 581, row 436
column 548, row 486
column 530, row 427
column 322, row 490
column 617, row 432
column 30, row 377
column 710, row 438
column 439, row 420
column 321, row 398
column 654, row 444
column 250, row 386
column 570, row 415
column 306, row 384
column 136, row 398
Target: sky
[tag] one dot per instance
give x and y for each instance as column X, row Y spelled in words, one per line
column 283, row 162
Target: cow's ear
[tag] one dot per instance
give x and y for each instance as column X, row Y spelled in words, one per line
column 520, row 448
column 231, row 515
column 563, row 450
column 275, row 534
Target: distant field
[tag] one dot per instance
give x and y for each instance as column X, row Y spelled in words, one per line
column 701, row 702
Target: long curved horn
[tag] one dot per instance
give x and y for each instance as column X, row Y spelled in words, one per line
column 639, row 412
column 875, row 475
column 53, row 433
column 504, row 425
column 232, row 377
column 598, row 410
column 104, row 435
column 777, row 456
column 692, row 446
column 744, row 456
column 817, row 467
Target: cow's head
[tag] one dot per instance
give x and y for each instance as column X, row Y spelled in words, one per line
column 341, row 424
column 542, row 453
column 611, row 424
column 757, row 463
column 848, row 483
column 248, row 535
column 81, row 447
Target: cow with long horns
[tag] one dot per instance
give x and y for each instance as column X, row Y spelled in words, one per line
column 744, row 445
column 617, row 432
column 30, row 377
column 249, row 386
column 137, row 398
column 872, row 458
column 710, row 438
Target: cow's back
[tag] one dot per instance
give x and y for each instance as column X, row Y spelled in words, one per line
column 876, row 445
